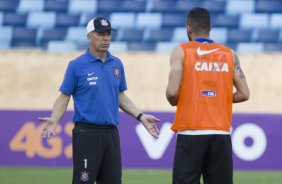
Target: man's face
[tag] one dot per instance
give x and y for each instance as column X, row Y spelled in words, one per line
column 100, row 41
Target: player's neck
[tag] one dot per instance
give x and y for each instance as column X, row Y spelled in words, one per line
column 204, row 36
column 100, row 55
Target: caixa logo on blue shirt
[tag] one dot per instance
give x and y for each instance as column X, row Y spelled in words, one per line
column 208, row 93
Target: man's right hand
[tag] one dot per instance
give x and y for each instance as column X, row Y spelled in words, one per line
column 49, row 127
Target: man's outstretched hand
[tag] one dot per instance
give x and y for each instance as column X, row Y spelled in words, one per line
column 49, row 127
column 149, row 123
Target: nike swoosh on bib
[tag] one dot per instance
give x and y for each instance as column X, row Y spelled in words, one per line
column 204, row 52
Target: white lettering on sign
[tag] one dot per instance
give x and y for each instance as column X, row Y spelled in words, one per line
column 259, row 142
column 155, row 148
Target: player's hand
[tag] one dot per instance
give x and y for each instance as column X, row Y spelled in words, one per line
column 149, row 123
column 49, row 127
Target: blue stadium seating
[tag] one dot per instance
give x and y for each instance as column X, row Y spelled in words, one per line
column 6, row 34
column 226, row 21
column 56, row 5
column 157, row 35
column 9, row 5
column 268, row 36
column 107, row 6
column 148, row 20
column 24, row 37
column 65, row 20
column 123, row 20
column 15, row 19
column 215, row 7
column 132, row 35
column 271, row 47
column 30, row 5
column 268, row 6
column 275, row 20
column 173, row 20
column 35, row 20
column 137, row 46
column 82, row 6
column 52, row 34
column 61, row 46
column 240, row 7
column 237, row 35
column 163, row 6
column 142, row 24
column 260, row 20
column 132, row 6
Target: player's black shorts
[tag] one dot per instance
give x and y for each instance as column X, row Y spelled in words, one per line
column 206, row 155
column 96, row 154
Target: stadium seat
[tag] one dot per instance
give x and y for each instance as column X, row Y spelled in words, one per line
column 215, row 7
column 148, row 20
column 132, row 35
column 268, row 36
column 15, row 19
column 123, row 20
column 275, row 20
column 166, row 46
column 138, row 46
column 118, row 47
column 232, row 46
column 185, row 6
column 86, row 17
column 6, row 33
column 180, row 34
column 219, row 35
column 260, row 20
column 82, row 6
column 76, row 34
column 56, row 5
column 174, row 20
column 108, row 6
column 35, row 19
column 157, row 35
column 163, row 6
column 65, row 20
column 9, row 5
column 240, row 7
column 31, row 5
column 61, row 46
column 24, row 37
column 269, row 6
column 226, row 21
column 270, row 47
column 52, row 34
column 132, row 6
column 250, row 48
column 236, row 36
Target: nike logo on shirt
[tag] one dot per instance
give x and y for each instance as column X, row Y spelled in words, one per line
column 89, row 74
column 204, row 52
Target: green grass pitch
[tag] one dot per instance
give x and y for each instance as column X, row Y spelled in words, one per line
column 28, row 175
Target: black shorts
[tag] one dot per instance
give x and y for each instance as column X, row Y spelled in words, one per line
column 206, row 155
column 96, row 154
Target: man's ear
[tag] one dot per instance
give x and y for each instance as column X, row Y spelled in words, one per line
column 88, row 36
column 188, row 30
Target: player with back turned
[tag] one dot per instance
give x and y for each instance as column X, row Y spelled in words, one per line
column 201, row 81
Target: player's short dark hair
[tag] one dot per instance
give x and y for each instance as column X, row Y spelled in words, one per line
column 199, row 20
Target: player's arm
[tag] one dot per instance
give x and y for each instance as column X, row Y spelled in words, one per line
column 148, row 121
column 239, row 80
column 58, row 111
column 175, row 75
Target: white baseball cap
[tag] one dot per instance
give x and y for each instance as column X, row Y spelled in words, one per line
column 99, row 25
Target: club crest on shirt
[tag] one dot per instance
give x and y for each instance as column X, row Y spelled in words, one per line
column 116, row 71
column 84, row 176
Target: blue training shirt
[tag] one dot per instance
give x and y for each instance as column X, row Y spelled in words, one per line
column 95, row 87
